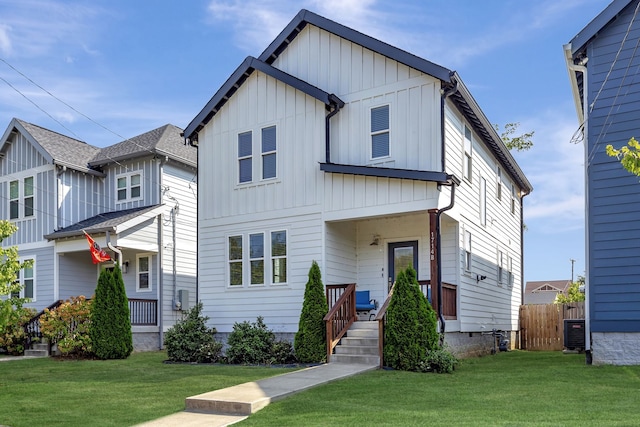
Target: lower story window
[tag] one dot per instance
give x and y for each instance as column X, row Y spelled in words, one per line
column 144, row 273
column 264, row 259
column 26, row 279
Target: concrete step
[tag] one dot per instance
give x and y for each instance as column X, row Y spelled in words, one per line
column 357, row 350
column 355, row 359
column 359, row 341
column 363, row 324
column 36, row 353
column 40, row 346
column 362, row 333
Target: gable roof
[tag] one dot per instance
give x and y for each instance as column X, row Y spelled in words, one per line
column 164, row 141
column 544, row 285
column 108, row 221
column 598, row 23
column 451, row 80
column 237, row 79
column 56, row 148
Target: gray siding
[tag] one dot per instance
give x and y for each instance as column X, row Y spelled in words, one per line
column 149, row 168
column 80, row 197
column 43, row 269
column 77, row 275
column 613, row 193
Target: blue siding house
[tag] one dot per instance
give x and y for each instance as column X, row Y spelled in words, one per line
column 603, row 62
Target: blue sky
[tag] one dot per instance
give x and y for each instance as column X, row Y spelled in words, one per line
column 132, row 66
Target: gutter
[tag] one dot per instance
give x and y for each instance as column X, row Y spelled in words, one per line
column 583, row 113
column 336, row 105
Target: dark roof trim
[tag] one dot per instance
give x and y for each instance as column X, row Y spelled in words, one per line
column 598, row 23
column 430, row 176
column 465, row 102
column 236, row 80
column 305, row 17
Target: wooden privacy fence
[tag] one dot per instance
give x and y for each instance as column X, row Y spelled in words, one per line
column 542, row 325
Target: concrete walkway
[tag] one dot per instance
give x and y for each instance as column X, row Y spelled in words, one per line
column 231, row 405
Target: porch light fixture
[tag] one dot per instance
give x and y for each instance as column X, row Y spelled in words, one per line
column 125, row 267
column 376, row 240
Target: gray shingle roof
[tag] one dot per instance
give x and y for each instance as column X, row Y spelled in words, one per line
column 166, row 140
column 64, row 150
column 100, row 223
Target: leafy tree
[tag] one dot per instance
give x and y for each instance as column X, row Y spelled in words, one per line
column 573, row 293
column 110, row 329
column 10, row 266
column 310, row 343
column 520, row 142
column 628, row 155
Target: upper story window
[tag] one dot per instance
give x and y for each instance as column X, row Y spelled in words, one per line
column 21, row 194
column 467, row 251
column 129, row 187
column 245, row 163
column 467, row 165
column 499, row 184
column 500, row 263
column 269, row 152
column 143, row 279
column 513, row 199
column 483, row 201
column 380, row 132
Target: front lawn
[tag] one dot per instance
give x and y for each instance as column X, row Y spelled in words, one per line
column 51, row 392
column 508, row 389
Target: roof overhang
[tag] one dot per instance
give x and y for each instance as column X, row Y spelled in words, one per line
column 416, row 175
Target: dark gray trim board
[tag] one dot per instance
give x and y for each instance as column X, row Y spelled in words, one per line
column 430, row 176
column 236, row 80
column 598, row 23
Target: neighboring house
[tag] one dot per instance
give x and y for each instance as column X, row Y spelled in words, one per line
column 137, row 199
column 545, row 292
column 337, row 147
column 603, row 61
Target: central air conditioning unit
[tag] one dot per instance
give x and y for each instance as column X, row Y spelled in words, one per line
column 574, row 334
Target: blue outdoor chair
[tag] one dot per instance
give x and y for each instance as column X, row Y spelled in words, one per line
column 364, row 303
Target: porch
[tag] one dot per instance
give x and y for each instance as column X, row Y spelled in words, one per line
column 342, row 314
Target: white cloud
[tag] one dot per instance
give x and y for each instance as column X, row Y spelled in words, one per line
column 5, row 40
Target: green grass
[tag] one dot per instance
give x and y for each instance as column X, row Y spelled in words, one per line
column 508, row 389
column 39, row 392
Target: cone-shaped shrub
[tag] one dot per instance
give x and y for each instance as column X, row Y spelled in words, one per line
column 411, row 326
column 110, row 329
column 310, row 343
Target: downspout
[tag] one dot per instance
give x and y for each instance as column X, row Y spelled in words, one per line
column 114, row 249
column 453, row 182
column 160, row 313
column 335, row 105
column 571, row 67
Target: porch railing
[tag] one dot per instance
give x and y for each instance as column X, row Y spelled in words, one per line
column 341, row 300
column 143, row 312
column 32, row 327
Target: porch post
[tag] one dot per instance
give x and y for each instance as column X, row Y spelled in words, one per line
column 433, row 257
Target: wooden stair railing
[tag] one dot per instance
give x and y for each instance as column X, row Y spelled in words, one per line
column 381, row 318
column 341, row 314
column 32, row 327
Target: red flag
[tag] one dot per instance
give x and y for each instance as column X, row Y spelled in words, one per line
column 97, row 253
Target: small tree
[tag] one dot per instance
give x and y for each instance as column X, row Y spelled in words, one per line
column 411, row 327
column 573, row 293
column 522, row 142
column 310, row 343
column 628, row 155
column 9, row 269
column 110, row 329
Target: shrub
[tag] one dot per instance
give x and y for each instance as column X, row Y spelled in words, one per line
column 310, row 342
column 250, row 343
column 111, row 325
column 12, row 334
column 440, row 361
column 190, row 340
column 282, row 353
column 68, row 325
column 411, row 327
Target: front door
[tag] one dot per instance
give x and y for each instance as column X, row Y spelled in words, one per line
column 401, row 256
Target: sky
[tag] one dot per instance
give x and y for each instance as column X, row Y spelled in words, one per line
column 103, row 71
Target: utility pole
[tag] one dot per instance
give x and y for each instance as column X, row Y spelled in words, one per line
column 572, row 262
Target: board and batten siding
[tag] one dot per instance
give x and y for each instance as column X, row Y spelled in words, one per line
column 80, row 196
column 484, row 304
column 280, row 305
column 151, row 181
column 260, row 102
column 364, row 79
column 613, row 193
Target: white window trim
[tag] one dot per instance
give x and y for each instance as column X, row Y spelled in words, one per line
column 149, row 272
column 246, row 259
column 483, row 201
column 22, row 278
column 509, row 271
column 467, row 153
column 266, row 153
column 128, row 187
column 513, row 199
column 500, row 264
column 499, row 184
column 467, row 250
column 21, row 197
column 371, row 134
column 250, row 157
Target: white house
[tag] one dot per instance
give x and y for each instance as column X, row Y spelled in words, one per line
column 137, row 199
column 336, row 147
